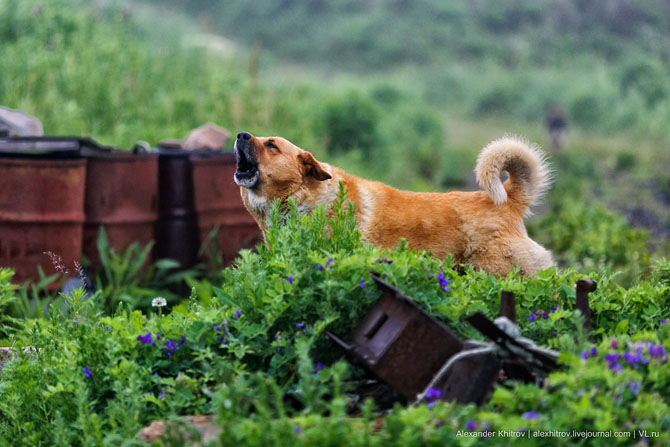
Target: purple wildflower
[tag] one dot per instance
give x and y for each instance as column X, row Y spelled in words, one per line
column 161, row 395
column 662, row 322
column 320, row 268
column 532, row 317
column 553, row 309
column 433, row 393
column 531, row 415
column 657, row 351
column 362, row 284
column 217, row 327
column 634, row 387
column 632, row 359
column 238, row 313
column 443, row 282
column 593, row 352
column 171, row 347
column 297, row 430
column 584, row 355
column 222, row 340
column 611, row 358
column 146, row 338
column 289, row 280
column 158, row 335
column 614, row 343
column 616, row 367
column 108, row 328
column 182, row 339
column 315, row 371
column 470, row 425
column 328, row 262
column 87, row 371
column 300, row 325
column 555, row 334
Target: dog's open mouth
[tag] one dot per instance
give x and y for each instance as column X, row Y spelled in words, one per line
column 247, row 169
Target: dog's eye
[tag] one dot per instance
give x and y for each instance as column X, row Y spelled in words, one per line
column 271, row 144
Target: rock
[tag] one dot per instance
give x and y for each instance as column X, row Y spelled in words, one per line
column 204, row 424
column 14, row 123
column 208, row 136
column 6, row 354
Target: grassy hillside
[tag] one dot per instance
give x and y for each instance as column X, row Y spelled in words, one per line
column 605, row 61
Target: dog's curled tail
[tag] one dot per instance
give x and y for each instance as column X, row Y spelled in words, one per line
column 529, row 173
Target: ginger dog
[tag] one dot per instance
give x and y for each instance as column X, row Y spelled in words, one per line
column 484, row 228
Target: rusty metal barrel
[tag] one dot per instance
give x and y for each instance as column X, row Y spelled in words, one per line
column 219, row 205
column 122, row 197
column 41, row 212
column 177, row 228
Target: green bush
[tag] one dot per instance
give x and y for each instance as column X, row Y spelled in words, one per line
column 648, row 77
column 586, row 110
column 625, row 160
column 89, row 379
column 497, row 100
column 413, row 141
column 350, row 122
column 589, row 238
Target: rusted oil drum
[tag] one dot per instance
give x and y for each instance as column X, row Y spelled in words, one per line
column 41, row 214
column 219, row 205
column 177, row 228
column 122, row 197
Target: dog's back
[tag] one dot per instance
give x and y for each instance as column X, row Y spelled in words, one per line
column 484, row 227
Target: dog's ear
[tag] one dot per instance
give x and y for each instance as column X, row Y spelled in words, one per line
column 313, row 167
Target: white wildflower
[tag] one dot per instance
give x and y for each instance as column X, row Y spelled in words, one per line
column 159, row 301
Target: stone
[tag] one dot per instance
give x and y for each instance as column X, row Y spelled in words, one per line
column 208, row 136
column 14, row 123
column 204, row 424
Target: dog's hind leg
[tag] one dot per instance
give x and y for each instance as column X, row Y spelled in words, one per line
column 530, row 256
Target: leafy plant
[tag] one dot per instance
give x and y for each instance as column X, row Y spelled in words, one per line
column 257, row 344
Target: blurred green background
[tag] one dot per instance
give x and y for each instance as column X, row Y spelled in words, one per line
column 402, row 91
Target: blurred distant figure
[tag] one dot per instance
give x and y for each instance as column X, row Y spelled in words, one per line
column 556, row 125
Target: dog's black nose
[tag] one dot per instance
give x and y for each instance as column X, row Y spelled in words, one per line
column 244, row 136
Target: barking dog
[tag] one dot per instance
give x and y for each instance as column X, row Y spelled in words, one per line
column 484, row 228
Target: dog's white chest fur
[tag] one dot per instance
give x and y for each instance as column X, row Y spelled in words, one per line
column 258, row 203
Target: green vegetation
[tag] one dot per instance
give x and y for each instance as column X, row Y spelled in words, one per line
column 399, row 91
column 253, row 346
column 511, row 58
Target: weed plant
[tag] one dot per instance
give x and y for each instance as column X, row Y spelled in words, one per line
column 90, row 379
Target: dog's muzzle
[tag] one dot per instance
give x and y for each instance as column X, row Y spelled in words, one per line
column 247, row 167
